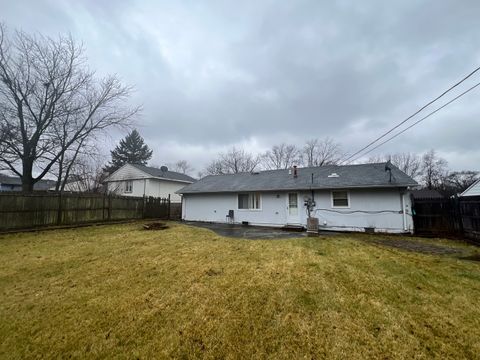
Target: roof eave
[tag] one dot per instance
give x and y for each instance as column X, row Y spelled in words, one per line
column 150, row 177
column 302, row 188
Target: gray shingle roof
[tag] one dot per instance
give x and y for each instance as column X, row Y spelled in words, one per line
column 43, row 184
column 426, row 194
column 172, row 175
column 10, row 180
column 363, row 175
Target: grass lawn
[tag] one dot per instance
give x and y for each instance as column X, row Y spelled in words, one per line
column 120, row 292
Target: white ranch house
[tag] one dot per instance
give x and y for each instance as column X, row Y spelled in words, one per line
column 141, row 180
column 347, row 198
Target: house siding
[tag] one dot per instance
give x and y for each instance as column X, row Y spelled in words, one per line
column 118, row 187
column 379, row 208
column 163, row 188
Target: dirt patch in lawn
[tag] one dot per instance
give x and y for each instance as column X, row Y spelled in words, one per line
column 156, row 226
column 417, row 246
column 474, row 257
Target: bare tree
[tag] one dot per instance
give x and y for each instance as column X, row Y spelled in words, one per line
column 50, row 103
column 86, row 175
column 434, row 169
column 409, row 163
column 81, row 162
column 232, row 162
column 320, row 152
column 458, row 181
column 182, row 166
column 281, row 156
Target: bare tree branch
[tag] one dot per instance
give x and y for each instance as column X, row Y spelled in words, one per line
column 281, row 156
column 232, row 162
column 320, row 152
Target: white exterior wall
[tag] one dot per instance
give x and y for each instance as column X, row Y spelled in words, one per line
column 163, row 188
column 274, row 210
column 378, row 208
column 118, row 187
column 214, row 208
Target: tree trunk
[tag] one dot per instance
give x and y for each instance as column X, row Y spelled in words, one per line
column 27, row 178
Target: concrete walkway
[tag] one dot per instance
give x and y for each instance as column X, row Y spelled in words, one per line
column 248, row 232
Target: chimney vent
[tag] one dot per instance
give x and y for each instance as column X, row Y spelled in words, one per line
column 295, row 174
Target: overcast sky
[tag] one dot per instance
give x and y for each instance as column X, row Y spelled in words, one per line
column 214, row 74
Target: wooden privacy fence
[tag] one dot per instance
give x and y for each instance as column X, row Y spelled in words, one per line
column 470, row 210
column 31, row 210
column 447, row 217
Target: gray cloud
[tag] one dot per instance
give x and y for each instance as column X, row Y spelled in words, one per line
column 210, row 75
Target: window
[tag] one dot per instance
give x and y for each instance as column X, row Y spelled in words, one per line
column 340, row 199
column 250, row 201
column 128, row 186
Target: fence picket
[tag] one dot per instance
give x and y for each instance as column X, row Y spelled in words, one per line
column 30, row 210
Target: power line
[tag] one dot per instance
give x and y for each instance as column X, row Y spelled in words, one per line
column 419, row 121
column 415, row 113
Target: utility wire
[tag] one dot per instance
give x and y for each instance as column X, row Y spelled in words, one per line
column 419, row 121
column 415, row 113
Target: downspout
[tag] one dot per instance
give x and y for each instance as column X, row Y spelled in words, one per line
column 402, row 196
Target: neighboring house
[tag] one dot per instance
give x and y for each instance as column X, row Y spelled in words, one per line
column 350, row 198
column 140, row 180
column 473, row 190
column 14, row 183
column 78, row 183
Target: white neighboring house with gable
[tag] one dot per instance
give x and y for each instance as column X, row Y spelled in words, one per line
column 141, row 180
column 473, row 190
column 348, row 198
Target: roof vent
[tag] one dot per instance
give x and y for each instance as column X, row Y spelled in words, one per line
column 255, row 173
column 164, row 168
column 333, row 175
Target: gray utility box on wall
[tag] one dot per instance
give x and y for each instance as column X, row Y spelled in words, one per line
column 312, row 225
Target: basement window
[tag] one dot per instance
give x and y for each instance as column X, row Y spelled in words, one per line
column 340, row 199
column 128, row 186
column 249, row 201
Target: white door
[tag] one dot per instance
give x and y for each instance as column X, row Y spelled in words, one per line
column 292, row 208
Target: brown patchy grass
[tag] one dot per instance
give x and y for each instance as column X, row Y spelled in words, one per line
column 120, row 292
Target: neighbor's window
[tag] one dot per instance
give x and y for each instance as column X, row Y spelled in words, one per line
column 249, row 201
column 340, row 198
column 128, row 186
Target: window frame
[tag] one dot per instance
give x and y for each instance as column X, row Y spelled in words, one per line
column 127, row 190
column 340, row 206
column 252, row 197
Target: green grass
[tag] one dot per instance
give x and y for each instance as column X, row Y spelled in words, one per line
column 120, row 292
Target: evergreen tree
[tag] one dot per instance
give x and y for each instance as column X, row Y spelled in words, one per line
column 132, row 149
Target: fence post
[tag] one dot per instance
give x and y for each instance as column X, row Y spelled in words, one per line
column 109, row 209
column 458, row 215
column 143, row 206
column 59, row 210
column 168, row 216
column 103, row 206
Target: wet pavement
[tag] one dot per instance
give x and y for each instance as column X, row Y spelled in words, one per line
column 250, row 232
